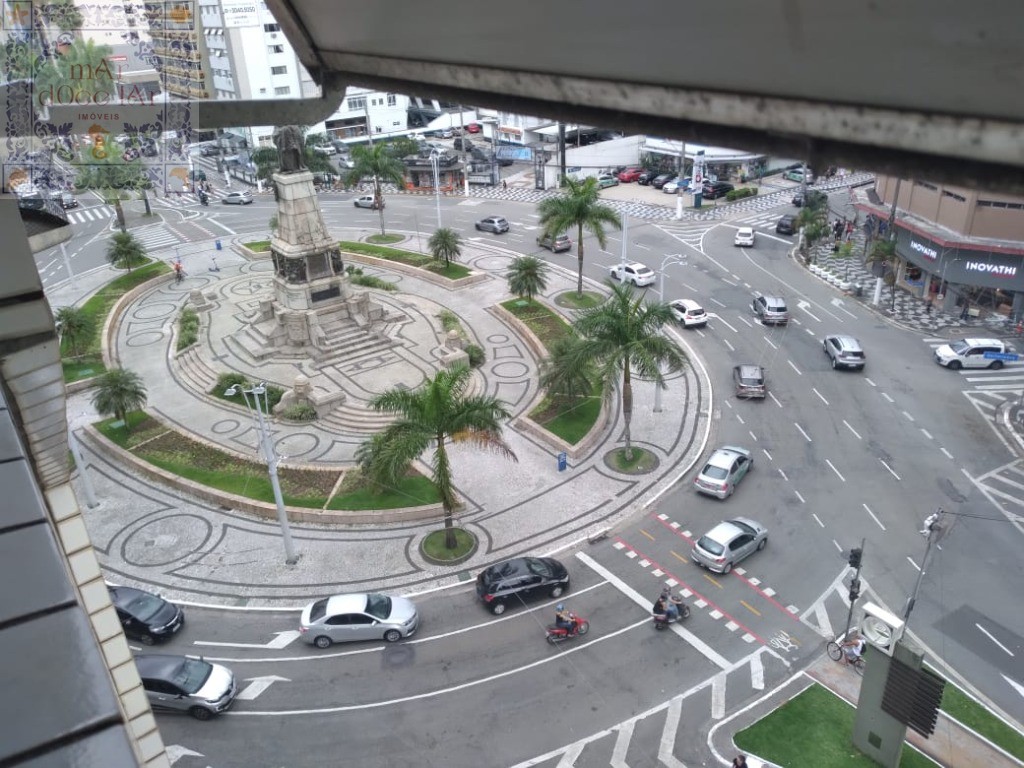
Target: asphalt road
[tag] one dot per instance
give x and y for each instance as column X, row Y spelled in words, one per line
column 839, row 456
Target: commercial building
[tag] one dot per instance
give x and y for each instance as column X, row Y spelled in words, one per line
column 957, row 246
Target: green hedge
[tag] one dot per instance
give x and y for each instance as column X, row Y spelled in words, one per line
column 739, row 194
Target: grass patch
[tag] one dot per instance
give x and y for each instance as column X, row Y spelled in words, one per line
column 411, row 258
column 571, row 421
column 369, row 281
column 385, row 239
column 188, row 328
column 433, row 545
column 813, row 730
column 545, row 324
column 356, row 493
column 227, row 380
column 96, row 309
column 573, row 300
column 642, row 461
column 962, row 707
column 258, row 246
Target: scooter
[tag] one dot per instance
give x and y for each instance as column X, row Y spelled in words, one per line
column 662, row 620
column 556, row 634
column 204, row 198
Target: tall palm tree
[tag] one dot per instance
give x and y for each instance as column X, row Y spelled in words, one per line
column 119, row 392
column 75, row 326
column 433, row 416
column 578, row 207
column 124, row 250
column 377, row 163
column 622, row 336
column 527, row 276
column 445, row 245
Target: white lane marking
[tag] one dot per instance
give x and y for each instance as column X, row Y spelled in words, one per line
column 730, row 346
column 888, row 398
column 817, row 519
column 721, row 319
column 622, row 745
column 768, row 455
column 752, row 435
column 837, row 545
column 835, row 470
column 804, row 306
column 801, row 429
column 744, row 320
column 282, row 640
column 770, row 344
column 809, row 331
column 222, row 226
column 757, row 673
column 821, row 614
column 926, row 433
column 852, row 429
column 891, row 472
column 783, row 474
column 879, row 522
column 869, row 381
column 175, row 752
column 916, row 566
column 815, row 391
column 774, row 399
column 708, row 652
column 258, row 685
column 794, row 368
column 909, row 417
column 716, row 301
column 799, row 497
column 569, row 758
column 990, row 637
column 947, row 453
column 1013, row 684
column 718, row 697
column 838, row 304
column 740, row 419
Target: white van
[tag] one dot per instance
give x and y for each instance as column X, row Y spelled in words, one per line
column 970, row 353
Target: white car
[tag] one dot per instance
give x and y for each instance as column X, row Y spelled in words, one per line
column 346, row 618
column 325, row 149
column 676, row 185
column 367, row 201
column 688, row 312
column 635, row 273
column 744, row 236
column 237, row 198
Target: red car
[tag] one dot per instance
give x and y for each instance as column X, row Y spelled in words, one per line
column 474, row 128
column 630, row 174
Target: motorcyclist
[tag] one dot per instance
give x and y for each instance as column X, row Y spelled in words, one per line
column 672, row 603
column 203, row 198
column 660, row 610
column 563, row 619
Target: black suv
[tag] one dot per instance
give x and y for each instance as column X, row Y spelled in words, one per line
column 786, row 225
column 716, row 189
column 144, row 616
column 524, row 578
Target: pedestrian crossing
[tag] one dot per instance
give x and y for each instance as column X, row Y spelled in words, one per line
column 689, row 232
column 156, row 237
column 96, row 213
column 1009, row 379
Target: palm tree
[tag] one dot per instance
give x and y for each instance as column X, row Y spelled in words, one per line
column 566, row 381
column 75, row 326
column 377, row 163
column 445, row 245
column 124, row 251
column 82, row 70
column 527, row 276
column 622, row 336
column 433, row 416
column 578, row 207
column 119, row 392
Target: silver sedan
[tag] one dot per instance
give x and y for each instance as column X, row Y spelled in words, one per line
column 729, row 542
column 345, row 618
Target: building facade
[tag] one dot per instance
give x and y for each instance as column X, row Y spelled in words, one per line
column 365, row 112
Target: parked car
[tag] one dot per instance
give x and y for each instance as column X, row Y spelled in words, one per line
column 716, row 189
column 770, row 310
column 688, row 312
column 144, row 616
column 636, row 273
column 67, row 200
column 462, row 145
column 786, row 225
column 209, row 150
column 606, row 180
column 844, row 352
column 749, row 381
column 447, row 133
column 525, row 578
column 647, row 177
column 495, row 224
column 555, row 244
column 474, row 128
column 340, row 146
column 970, row 353
column 661, row 180
column 797, row 175
column 346, row 618
column 676, row 185
column 367, row 201
column 813, row 195
column 243, row 197
column 186, row 684
column 728, row 543
column 744, row 237
column 325, row 149
column 724, row 470
column 630, row 174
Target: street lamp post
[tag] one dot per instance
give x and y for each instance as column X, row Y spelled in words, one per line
column 267, row 444
column 434, row 162
column 672, row 258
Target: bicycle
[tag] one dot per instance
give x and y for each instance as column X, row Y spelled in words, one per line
column 836, row 652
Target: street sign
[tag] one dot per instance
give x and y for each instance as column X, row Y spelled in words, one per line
column 1001, row 356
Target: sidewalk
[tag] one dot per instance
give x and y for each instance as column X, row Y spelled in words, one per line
column 952, row 745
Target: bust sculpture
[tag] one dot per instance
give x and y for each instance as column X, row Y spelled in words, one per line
column 290, row 144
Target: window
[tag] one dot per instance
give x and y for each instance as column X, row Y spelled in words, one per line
column 926, row 185
column 955, row 196
column 283, row 91
column 279, row 70
column 271, row 27
column 356, row 103
column 391, row 100
column 276, row 48
column 1001, row 204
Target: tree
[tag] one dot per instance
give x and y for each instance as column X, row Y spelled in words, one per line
column 124, row 250
column 375, row 162
column 445, row 245
column 119, row 392
column 75, row 326
column 435, row 415
column 580, row 207
column 110, row 174
column 527, row 276
column 621, row 336
column 566, row 381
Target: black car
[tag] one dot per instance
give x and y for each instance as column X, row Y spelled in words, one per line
column 210, row 150
column 462, row 145
column 524, row 578
column 786, row 225
column 661, row 180
column 144, row 616
column 647, row 177
column 813, row 196
column 715, row 189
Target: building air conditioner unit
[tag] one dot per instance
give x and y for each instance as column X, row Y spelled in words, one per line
column 881, row 628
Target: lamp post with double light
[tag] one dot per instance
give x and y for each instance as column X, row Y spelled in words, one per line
column 256, row 408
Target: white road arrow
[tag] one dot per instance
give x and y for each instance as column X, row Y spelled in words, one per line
column 175, row 752
column 805, row 306
column 1017, row 686
column 282, row 640
column 258, row 685
column 838, row 304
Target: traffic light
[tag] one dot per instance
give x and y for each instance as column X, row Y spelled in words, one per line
column 854, row 590
column 854, row 560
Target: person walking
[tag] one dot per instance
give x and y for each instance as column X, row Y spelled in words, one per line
column 740, row 761
column 504, row 184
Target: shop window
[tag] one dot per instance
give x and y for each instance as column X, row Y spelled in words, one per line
column 913, row 273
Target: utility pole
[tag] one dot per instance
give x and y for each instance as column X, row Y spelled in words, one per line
column 465, row 162
column 855, row 558
column 892, row 211
column 561, row 147
column 933, row 531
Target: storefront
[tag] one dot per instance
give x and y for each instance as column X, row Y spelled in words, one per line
column 959, row 274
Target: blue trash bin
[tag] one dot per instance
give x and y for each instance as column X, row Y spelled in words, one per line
column 217, row 244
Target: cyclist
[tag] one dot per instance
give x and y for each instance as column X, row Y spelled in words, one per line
column 853, row 648
column 179, row 272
